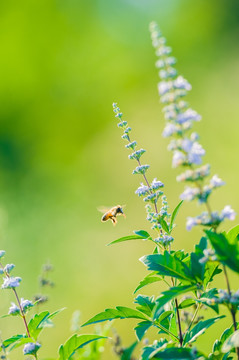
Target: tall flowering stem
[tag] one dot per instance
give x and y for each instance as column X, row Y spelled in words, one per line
column 151, row 194
column 187, row 151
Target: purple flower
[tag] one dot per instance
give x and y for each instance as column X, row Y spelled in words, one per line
column 191, row 222
column 216, row 181
column 31, row 348
column 228, row 213
column 181, row 83
column 26, row 304
column 156, row 184
column 142, row 190
column 195, row 154
column 14, row 310
column 8, row 268
column 178, row 158
column 188, row 115
column 164, row 87
column 189, row 194
column 169, row 130
column 11, row 282
column 2, row 253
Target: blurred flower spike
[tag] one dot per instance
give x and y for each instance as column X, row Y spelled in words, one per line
column 187, row 151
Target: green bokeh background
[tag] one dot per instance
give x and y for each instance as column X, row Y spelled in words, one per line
column 62, row 65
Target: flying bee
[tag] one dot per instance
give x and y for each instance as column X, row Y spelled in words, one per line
column 110, row 214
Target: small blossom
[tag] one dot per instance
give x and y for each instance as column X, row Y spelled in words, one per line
column 194, row 136
column 141, row 169
column 8, row 268
column 2, row 253
column 195, row 154
column 216, row 181
column 14, row 310
column 11, row 282
column 169, row 130
column 164, row 239
column 164, row 87
column 127, row 130
column 31, row 348
column 142, row 190
column 191, row 222
column 137, row 154
column 156, row 184
column 163, row 50
column 125, row 137
column 26, row 305
column 168, row 73
column 131, row 145
column 181, row 83
column 178, row 159
column 228, row 213
column 190, row 193
column 188, row 115
column 122, row 124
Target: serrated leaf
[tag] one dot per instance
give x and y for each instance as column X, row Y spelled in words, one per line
column 210, row 294
column 168, row 295
column 146, row 304
column 168, row 265
column 217, row 346
column 227, row 250
column 199, row 329
column 141, row 328
column 120, row 312
column 148, row 350
column 74, row 343
column 174, row 215
column 149, row 279
column 211, row 270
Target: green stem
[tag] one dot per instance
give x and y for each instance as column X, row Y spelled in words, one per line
column 179, row 323
column 232, row 311
column 167, row 331
column 194, row 317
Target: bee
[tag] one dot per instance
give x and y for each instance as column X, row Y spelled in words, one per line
column 110, row 214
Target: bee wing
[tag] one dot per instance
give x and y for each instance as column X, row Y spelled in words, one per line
column 103, row 209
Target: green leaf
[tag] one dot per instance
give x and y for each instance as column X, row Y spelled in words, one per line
column 130, row 237
column 120, row 312
column 11, row 341
column 146, row 304
column 233, row 233
column 186, row 303
column 211, row 270
column 168, row 295
column 141, row 328
column 148, row 350
column 39, row 321
column 74, row 343
column 24, row 340
column 174, row 215
column 173, row 353
column 227, row 250
column 168, row 265
column 199, row 329
column 128, row 352
column 149, row 279
column 164, row 225
column 231, row 342
column 144, row 234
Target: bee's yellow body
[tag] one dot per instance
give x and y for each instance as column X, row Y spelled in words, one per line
column 112, row 213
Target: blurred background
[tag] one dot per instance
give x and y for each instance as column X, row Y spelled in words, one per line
column 62, row 65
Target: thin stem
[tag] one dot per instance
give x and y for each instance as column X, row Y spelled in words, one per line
column 179, row 323
column 232, row 311
column 194, row 317
column 167, row 331
column 19, row 303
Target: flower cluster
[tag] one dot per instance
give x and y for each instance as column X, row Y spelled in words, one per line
column 24, row 305
column 225, row 298
column 150, row 192
column 187, row 151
